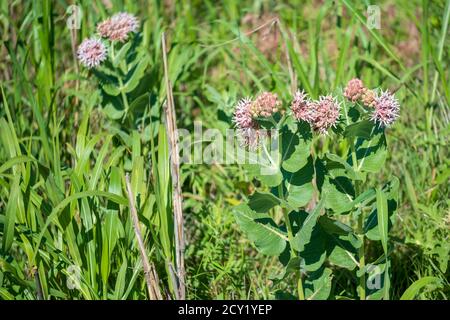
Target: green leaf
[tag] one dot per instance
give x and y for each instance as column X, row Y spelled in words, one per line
column 140, row 103
column 262, row 230
column 332, row 181
column 136, row 74
column 293, row 266
column 111, row 231
column 371, row 228
column 52, row 218
column 296, row 151
column 111, row 89
column 414, row 289
column 14, row 208
column 111, row 112
column 339, row 193
column 258, row 171
column 365, row 197
column 361, row 129
column 119, row 288
column 338, row 166
column 318, row 285
column 371, row 154
column 13, row 161
column 299, row 185
column 382, row 216
column 262, row 202
column 303, row 236
column 5, row 295
column 332, row 226
column 342, row 257
column 120, row 55
column 299, row 196
column 315, row 251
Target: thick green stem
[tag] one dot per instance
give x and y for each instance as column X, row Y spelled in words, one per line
column 361, row 253
column 124, row 95
column 301, row 294
column 362, row 261
column 124, row 100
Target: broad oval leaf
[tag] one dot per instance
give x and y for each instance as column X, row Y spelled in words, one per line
column 135, row 75
column 262, row 202
column 261, row 229
column 111, row 89
column 371, row 154
column 296, row 151
column 318, row 285
column 362, row 129
column 265, row 167
column 299, row 185
column 303, row 236
column 339, row 193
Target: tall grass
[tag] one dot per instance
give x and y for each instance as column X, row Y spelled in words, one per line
column 65, row 225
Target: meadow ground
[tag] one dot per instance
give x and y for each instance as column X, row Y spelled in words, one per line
column 67, row 140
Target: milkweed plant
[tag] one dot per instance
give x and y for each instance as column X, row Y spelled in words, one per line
column 118, row 60
column 321, row 208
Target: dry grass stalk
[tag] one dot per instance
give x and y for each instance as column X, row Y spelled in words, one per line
column 172, row 134
column 151, row 276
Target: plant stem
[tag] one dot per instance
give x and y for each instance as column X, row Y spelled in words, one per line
column 289, row 227
column 124, row 99
column 361, row 252
column 301, row 294
column 362, row 261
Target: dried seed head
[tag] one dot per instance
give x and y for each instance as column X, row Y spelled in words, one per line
column 301, row 106
column 118, row 27
column 324, row 113
column 386, row 109
column 368, row 97
column 354, row 89
column 265, row 105
column 91, row 52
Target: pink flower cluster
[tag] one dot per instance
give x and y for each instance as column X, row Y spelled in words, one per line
column 386, row 109
column 385, row 106
column 301, row 107
column 354, row 90
column 321, row 115
column 246, row 112
column 118, row 27
column 92, row 52
column 265, row 105
column 325, row 114
column 242, row 114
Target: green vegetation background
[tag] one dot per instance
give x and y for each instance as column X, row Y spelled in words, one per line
column 64, row 154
